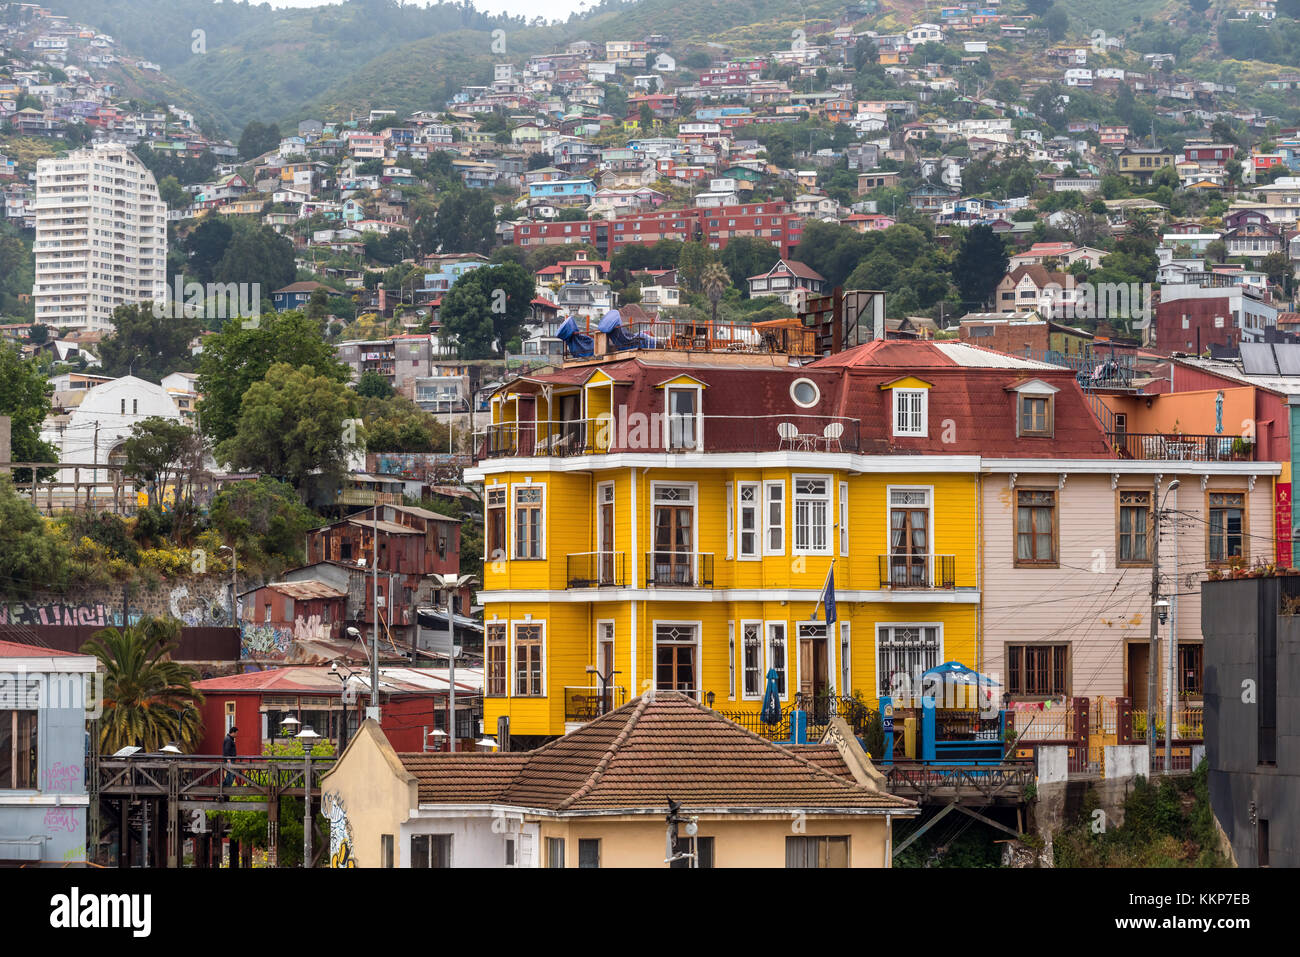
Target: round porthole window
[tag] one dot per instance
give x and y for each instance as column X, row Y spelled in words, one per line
column 805, row 393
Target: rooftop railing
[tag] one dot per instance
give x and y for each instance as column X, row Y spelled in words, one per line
column 1182, row 447
column 656, row 432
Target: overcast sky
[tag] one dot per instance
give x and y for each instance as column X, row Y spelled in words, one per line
column 551, row 9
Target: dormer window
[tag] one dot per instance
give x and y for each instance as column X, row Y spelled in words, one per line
column 910, row 412
column 1035, row 408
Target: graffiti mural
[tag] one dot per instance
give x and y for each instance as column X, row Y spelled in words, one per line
column 198, row 610
column 340, row 830
column 52, row 613
column 264, row 641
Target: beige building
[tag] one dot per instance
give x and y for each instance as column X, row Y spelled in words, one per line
column 101, row 237
column 597, row 797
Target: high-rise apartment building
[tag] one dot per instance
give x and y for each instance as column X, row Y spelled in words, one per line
column 101, row 237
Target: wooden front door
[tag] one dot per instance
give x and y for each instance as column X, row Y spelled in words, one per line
column 814, row 677
column 674, row 538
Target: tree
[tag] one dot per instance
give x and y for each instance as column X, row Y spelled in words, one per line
column 38, row 334
column 465, row 224
column 1216, row 251
column 24, row 397
column 150, row 346
column 171, row 192
column 237, row 357
column 257, row 254
column 258, row 138
column 645, row 117
column 1278, row 269
column 205, row 245
column 373, row 385
column 149, row 700
column 714, row 281
column 265, row 520
column 32, row 555
column 695, row 256
column 157, row 452
column 1057, row 21
column 397, row 424
column 486, row 304
column 746, row 256
column 292, row 424
column 980, row 264
column 318, row 304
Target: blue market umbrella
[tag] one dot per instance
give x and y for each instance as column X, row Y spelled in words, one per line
column 771, row 712
column 954, row 672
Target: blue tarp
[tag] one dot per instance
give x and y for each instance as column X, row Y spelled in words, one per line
column 619, row 338
column 578, row 345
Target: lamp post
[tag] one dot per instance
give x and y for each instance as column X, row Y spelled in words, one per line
column 308, row 737
column 439, row 737
column 1153, row 653
column 449, row 584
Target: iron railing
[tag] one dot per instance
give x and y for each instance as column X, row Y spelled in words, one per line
column 673, row 569
column 603, row 434
column 589, row 703
column 917, row 571
column 688, row 335
column 595, row 570
column 1181, row 447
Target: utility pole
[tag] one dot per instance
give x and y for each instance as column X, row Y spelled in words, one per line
column 451, row 678
column 373, row 711
column 1153, row 648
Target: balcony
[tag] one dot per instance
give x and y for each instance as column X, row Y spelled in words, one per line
column 586, row 704
column 674, row 569
column 595, row 570
column 1182, row 447
column 681, row 433
column 918, row 571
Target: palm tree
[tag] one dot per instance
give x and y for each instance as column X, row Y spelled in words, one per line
column 149, row 699
column 714, row 281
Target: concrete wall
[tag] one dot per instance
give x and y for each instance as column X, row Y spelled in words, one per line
column 195, row 602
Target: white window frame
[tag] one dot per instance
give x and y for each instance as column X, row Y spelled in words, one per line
column 846, row 658
column 809, row 501
column 762, row 658
column 929, row 520
column 768, row 525
column 603, row 546
column 731, row 523
column 756, row 508
column 601, row 624
column 513, row 504
column 924, row 411
column 832, row 658
column 844, row 518
column 698, row 626
column 817, row 393
column 514, row 658
column 699, row 417
column 694, row 503
column 769, row 661
column 938, row 657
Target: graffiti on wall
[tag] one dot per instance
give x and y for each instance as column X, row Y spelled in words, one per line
column 264, row 641
column 198, row 610
column 62, row 819
column 340, row 830
column 52, row 613
column 62, row 777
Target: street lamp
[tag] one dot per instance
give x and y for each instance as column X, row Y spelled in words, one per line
column 1153, row 652
column 308, row 737
column 449, row 584
column 486, row 743
column 439, row 737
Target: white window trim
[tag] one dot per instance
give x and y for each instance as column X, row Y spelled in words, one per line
column 698, row 626
column 828, row 499
column 694, row 503
column 939, row 655
column 757, row 506
column 546, row 684
column 699, row 417
column 846, row 657
column 731, row 522
column 762, row 659
column 600, row 503
column 929, row 521
column 613, row 639
column 768, row 549
column 768, row 658
column 831, row 657
column 817, row 393
column 844, row 518
column 925, row 412
column 513, row 509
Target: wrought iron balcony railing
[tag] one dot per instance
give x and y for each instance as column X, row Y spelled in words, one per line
column 918, row 571
column 586, row 704
column 671, row 569
column 595, row 570
column 1181, row 447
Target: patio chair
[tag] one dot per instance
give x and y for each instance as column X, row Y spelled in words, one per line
column 831, row 434
column 789, row 433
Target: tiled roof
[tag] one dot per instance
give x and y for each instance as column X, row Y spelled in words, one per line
column 655, row 747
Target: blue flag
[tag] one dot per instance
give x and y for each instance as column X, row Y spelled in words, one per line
column 828, row 598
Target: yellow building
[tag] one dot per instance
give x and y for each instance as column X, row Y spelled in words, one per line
column 669, row 520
